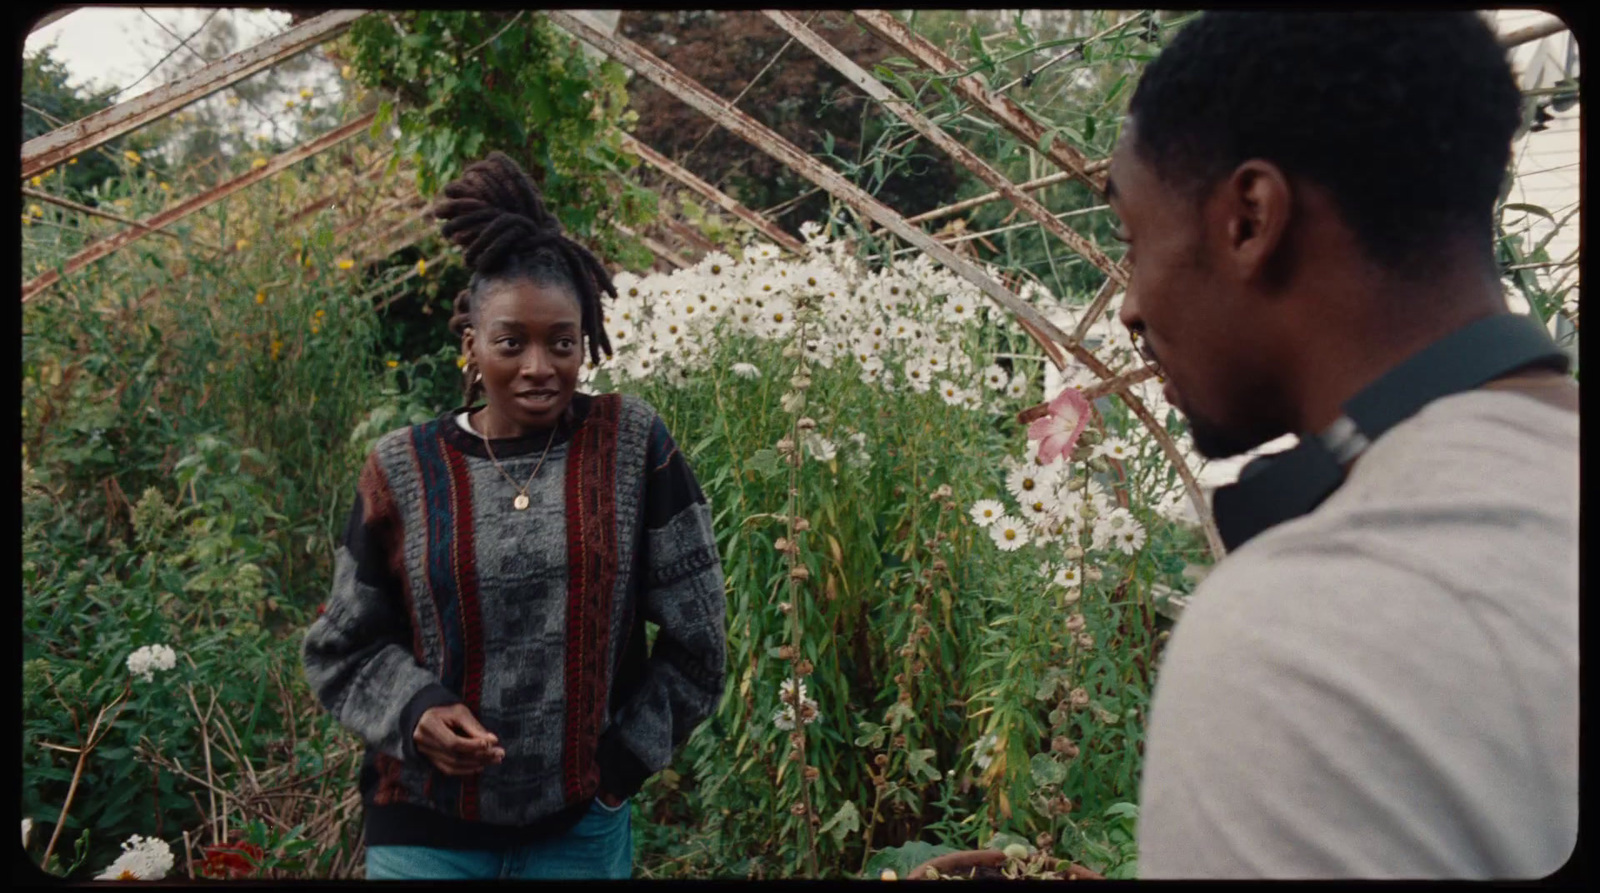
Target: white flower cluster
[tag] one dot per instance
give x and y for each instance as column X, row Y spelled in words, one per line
column 784, row 718
column 906, row 328
column 142, row 859
column 1052, row 510
column 147, row 660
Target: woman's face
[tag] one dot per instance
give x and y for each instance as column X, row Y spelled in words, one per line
column 528, row 343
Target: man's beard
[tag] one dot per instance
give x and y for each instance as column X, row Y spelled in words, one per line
column 1215, row 442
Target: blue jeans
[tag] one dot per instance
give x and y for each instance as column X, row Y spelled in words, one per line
column 599, row 847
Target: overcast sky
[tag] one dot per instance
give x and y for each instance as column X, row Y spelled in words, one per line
column 113, row 46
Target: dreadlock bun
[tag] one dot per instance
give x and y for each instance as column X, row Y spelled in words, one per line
column 495, row 214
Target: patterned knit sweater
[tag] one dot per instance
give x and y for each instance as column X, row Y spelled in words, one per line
column 534, row 619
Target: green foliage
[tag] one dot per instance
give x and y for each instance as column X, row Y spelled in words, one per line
column 463, row 84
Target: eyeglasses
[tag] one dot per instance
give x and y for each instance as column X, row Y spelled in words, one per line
column 1147, row 355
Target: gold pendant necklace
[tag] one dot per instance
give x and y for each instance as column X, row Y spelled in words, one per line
column 521, row 502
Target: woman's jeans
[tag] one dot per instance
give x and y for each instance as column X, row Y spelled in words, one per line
column 600, row 847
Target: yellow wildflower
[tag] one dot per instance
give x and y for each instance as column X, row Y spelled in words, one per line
column 72, row 161
column 37, row 181
column 305, row 92
column 345, row 263
column 422, row 267
column 277, row 346
column 320, row 313
column 345, row 72
column 261, row 297
column 315, row 328
column 241, row 244
column 166, row 187
column 233, row 100
column 258, row 164
column 288, row 104
column 131, row 156
column 35, row 210
column 393, row 364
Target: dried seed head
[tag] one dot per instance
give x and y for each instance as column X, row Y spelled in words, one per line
column 1094, row 575
column 800, row 573
column 1086, row 641
column 786, row 652
column 881, row 760
column 803, row 667
column 942, row 493
column 905, row 696
column 907, row 650
column 939, row 566
column 917, row 667
column 785, row 608
column 796, row 755
column 1073, row 553
column 781, row 544
column 801, row 525
column 918, row 609
column 899, row 679
column 785, row 446
column 1075, row 623
column 899, row 742
column 797, row 738
column 1079, row 697
column 1063, row 745
column 1044, row 841
column 806, row 424
column 813, row 773
column 798, row 809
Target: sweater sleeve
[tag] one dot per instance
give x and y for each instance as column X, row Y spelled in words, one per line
column 358, row 656
column 682, row 593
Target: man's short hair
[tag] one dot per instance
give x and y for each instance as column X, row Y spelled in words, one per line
column 1405, row 118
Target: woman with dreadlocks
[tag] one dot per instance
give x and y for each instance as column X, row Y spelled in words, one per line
column 485, row 636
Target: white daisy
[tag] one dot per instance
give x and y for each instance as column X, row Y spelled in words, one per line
column 1018, row 387
column 745, row 370
column 951, row 394
column 1028, row 482
column 1009, row 533
column 920, row 378
column 995, row 378
column 987, row 511
column 1114, row 448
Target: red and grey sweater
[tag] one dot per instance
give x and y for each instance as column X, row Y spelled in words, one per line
column 534, row 619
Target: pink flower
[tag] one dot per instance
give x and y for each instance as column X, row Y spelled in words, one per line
column 1058, row 431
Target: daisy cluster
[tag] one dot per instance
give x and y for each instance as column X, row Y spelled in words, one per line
column 905, row 328
column 1051, row 506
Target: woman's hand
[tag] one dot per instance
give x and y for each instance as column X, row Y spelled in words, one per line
column 454, row 741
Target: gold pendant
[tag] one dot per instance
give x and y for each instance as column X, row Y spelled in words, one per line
column 521, row 502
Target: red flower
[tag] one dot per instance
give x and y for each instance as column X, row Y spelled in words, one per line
column 231, row 860
column 322, row 609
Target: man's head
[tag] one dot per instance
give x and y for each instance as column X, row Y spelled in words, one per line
column 1281, row 170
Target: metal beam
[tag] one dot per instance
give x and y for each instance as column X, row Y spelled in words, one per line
column 952, row 146
column 987, row 197
column 1001, row 109
column 1531, row 33
column 48, row 150
column 172, row 215
column 721, row 199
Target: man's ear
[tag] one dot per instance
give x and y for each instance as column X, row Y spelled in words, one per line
column 467, row 341
column 1257, row 202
